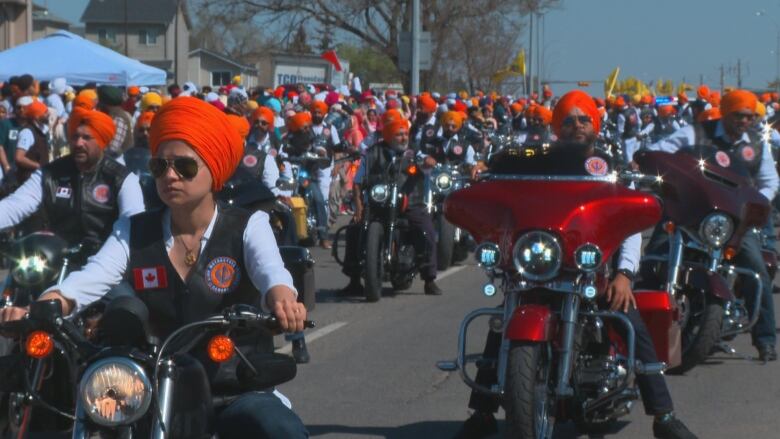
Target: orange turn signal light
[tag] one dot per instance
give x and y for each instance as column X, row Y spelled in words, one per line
column 221, row 348
column 669, row 227
column 412, row 170
column 729, row 253
column 39, row 344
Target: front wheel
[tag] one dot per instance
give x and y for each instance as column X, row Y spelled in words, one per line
column 445, row 244
column 703, row 320
column 529, row 399
column 374, row 262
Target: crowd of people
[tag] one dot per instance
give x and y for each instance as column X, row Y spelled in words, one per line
column 62, row 143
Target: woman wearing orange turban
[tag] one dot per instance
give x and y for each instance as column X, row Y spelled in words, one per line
column 194, row 258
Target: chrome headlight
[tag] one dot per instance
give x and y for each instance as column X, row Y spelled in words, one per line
column 443, row 182
column 379, row 193
column 537, row 256
column 31, row 270
column 716, row 229
column 115, row 391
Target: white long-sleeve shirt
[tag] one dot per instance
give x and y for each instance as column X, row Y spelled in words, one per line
column 27, row 199
column 107, row 267
column 767, row 180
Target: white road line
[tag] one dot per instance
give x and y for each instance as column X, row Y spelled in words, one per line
column 310, row 337
column 450, row 271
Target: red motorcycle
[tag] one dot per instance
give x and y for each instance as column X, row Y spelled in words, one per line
column 545, row 241
column 709, row 208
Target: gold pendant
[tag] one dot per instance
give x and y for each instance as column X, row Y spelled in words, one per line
column 190, row 259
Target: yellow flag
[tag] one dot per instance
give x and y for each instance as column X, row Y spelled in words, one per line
column 518, row 65
column 611, row 82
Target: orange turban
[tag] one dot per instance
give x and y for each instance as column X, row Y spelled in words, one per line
column 516, row 108
column 571, row 100
column 36, row 110
column 100, row 125
column 666, row 111
column 715, row 99
column 392, row 122
column 427, row 104
column 264, row 113
column 738, row 100
column 145, row 118
column 703, row 92
column 133, row 90
column 90, row 93
column 620, row 102
column 452, row 116
column 682, row 97
column 205, row 129
column 647, row 99
column 711, row 114
column 543, row 113
column 321, row 106
column 766, row 98
column 297, row 121
column 240, row 124
column 84, row 101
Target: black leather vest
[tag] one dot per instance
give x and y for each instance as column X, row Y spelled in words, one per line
column 631, row 127
column 82, row 207
column 253, row 163
column 382, row 170
column 744, row 159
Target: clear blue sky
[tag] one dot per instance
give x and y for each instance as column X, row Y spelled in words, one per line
column 672, row 39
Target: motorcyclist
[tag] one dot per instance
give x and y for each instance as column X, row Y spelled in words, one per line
column 325, row 136
column 395, row 141
column 576, row 124
column 449, row 146
column 538, row 133
column 81, row 195
column 194, row 258
column 741, row 148
column 424, row 118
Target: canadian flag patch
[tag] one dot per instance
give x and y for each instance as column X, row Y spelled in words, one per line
column 150, row 278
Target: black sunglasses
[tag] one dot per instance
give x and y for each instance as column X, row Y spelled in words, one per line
column 185, row 167
column 582, row 120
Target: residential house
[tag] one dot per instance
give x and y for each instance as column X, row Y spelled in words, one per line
column 155, row 32
column 215, row 70
column 15, row 22
column 45, row 23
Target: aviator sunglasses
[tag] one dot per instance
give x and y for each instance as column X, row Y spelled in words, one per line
column 185, row 167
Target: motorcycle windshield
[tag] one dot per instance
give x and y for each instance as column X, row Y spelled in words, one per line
column 693, row 188
column 578, row 210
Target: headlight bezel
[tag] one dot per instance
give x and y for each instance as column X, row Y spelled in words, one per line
column 723, row 239
column 524, row 243
column 443, row 182
column 137, row 371
column 36, row 265
column 377, row 195
column 583, row 265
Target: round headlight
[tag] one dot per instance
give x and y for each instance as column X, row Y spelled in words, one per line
column 716, row 229
column 537, row 256
column 487, row 255
column 31, row 270
column 444, row 181
column 114, row 392
column 588, row 257
column 379, row 193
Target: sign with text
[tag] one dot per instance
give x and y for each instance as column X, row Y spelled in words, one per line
column 292, row 74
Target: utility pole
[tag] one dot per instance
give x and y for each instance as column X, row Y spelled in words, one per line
column 739, row 73
column 722, row 78
column 539, row 24
column 415, row 47
column 531, row 54
column 126, row 39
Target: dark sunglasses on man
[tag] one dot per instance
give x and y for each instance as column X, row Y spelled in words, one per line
column 582, row 120
column 185, row 167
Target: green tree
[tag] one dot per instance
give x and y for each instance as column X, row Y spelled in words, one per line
column 369, row 65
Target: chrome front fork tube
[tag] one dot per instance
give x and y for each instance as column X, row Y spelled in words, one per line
column 568, row 326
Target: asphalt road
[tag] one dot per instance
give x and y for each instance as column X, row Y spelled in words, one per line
column 373, row 373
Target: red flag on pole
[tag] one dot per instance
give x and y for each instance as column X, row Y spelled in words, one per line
column 332, row 58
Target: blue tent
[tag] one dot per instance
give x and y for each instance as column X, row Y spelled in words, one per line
column 63, row 54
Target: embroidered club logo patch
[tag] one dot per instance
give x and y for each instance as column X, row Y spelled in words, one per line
column 596, row 166
column 222, row 275
column 150, row 278
column 429, row 132
column 326, row 132
column 250, row 161
column 723, row 159
column 101, row 193
column 63, row 192
column 458, row 150
column 748, row 153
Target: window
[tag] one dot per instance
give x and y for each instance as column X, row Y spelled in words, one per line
column 147, row 37
column 220, row 78
column 107, row 35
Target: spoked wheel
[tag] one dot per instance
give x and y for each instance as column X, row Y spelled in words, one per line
column 529, row 400
column 702, row 317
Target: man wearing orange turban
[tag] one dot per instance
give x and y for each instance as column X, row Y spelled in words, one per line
column 538, row 134
column 82, row 194
column 735, row 143
column 141, row 130
column 263, row 134
column 32, row 144
column 576, row 123
column 84, row 101
column 424, row 120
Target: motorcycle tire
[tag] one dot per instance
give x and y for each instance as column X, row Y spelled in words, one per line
column 401, row 283
column 374, row 262
column 445, row 244
column 698, row 349
column 528, row 399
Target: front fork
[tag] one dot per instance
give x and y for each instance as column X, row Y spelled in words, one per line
column 568, row 326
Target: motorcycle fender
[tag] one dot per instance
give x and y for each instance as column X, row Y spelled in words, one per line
column 662, row 320
column 531, row 323
column 718, row 287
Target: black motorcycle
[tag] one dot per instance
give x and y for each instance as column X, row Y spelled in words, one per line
column 133, row 385
column 453, row 242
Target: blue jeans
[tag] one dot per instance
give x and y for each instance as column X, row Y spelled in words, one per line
column 320, row 210
column 750, row 257
column 259, row 415
column 770, row 240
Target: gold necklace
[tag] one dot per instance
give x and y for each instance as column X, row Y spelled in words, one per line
column 189, row 256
